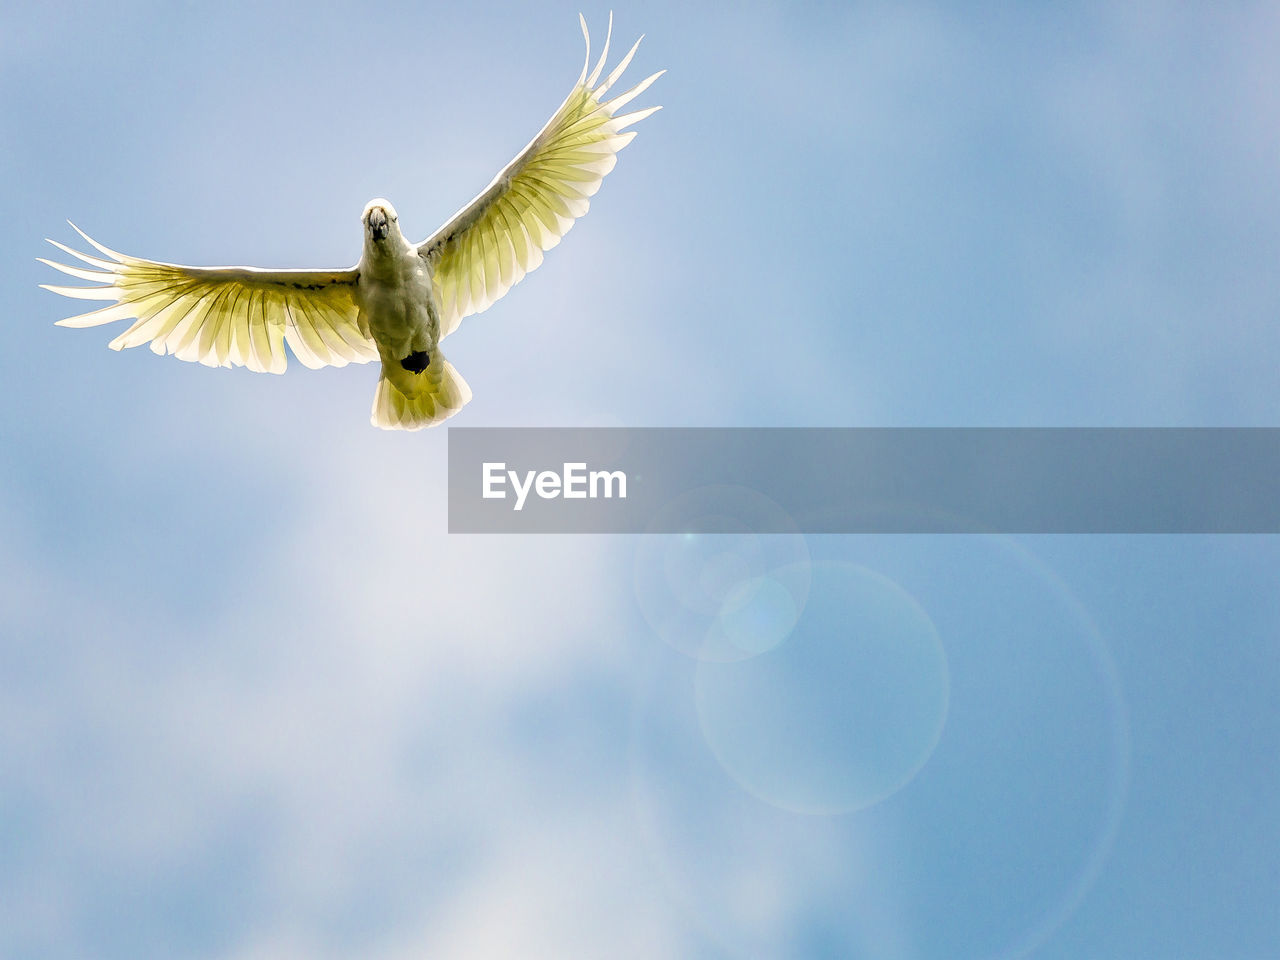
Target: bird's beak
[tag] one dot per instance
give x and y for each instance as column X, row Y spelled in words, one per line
column 378, row 223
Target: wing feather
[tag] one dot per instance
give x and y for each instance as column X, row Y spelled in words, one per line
column 604, row 54
column 618, row 70
column 220, row 316
column 171, row 319
column 207, row 335
column 225, row 330
column 330, row 345
column 186, row 338
column 302, row 340
column 491, row 244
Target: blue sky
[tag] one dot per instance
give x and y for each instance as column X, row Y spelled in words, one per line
column 256, row 703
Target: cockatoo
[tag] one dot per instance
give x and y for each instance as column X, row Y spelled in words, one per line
column 401, row 299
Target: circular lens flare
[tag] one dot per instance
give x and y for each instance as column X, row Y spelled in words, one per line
column 732, row 584
column 844, row 711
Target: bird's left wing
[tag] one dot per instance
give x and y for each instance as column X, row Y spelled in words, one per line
column 491, row 243
column 222, row 316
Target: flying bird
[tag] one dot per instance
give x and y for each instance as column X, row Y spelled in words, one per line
column 401, row 299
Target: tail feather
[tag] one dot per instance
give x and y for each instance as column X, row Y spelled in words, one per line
column 411, row 401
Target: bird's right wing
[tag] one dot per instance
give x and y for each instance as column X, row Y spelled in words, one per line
column 489, row 245
column 222, row 316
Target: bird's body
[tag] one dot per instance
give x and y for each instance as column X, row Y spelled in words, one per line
column 394, row 292
column 402, row 299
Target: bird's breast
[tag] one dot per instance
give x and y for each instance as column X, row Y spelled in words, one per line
column 396, row 299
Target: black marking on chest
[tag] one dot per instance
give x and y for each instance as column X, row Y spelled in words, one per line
column 417, row 361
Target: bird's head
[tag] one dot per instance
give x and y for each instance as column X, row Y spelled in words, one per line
column 380, row 220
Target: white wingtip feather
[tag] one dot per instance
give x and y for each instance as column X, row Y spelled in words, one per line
column 586, row 36
column 617, row 71
column 604, row 54
column 84, row 293
column 627, row 119
column 621, row 100
column 78, row 272
column 118, row 257
column 92, row 261
column 95, row 318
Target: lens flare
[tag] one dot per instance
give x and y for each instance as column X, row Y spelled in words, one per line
column 723, row 590
column 841, row 714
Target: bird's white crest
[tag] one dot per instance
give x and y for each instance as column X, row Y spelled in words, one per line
column 376, row 202
column 243, row 316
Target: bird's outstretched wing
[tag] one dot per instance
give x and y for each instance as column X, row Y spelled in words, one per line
column 222, row 316
column 491, row 243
